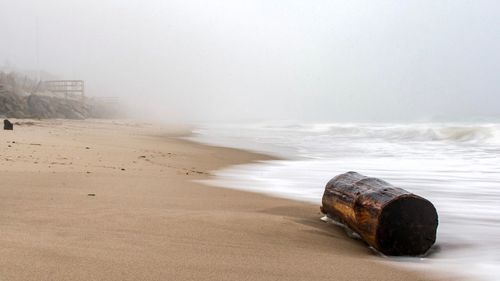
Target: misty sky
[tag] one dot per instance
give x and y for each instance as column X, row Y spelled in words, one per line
column 260, row 60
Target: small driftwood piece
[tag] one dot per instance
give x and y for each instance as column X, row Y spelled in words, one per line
column 7, row 125
column 390, row 219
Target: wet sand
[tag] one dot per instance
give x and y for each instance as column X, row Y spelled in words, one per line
column 114, row 200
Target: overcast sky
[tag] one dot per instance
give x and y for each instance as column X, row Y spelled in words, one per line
column 262, row 60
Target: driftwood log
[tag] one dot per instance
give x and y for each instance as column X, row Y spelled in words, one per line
column 390, row 219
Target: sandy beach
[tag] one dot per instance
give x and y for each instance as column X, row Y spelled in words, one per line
column 115, row 200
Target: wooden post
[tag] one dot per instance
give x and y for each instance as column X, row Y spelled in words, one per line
column 390, row 219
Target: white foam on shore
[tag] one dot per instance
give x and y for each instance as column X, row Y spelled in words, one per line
column 454, row 165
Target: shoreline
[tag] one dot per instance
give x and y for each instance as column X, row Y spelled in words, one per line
column 410, row 264
column 147, row 219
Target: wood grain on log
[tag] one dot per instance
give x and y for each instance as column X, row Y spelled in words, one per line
column 390, row 219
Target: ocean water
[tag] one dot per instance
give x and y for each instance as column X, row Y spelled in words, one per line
column 454, row 165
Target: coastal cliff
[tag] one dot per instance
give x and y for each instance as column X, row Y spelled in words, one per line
column 22, row 97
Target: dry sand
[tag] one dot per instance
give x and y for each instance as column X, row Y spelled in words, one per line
column 148, row 220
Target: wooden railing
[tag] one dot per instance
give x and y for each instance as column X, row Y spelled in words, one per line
column 69, row 89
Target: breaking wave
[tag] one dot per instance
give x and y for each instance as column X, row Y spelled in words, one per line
column 398, row 132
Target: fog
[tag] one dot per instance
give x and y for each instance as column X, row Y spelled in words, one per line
column 267, row 60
